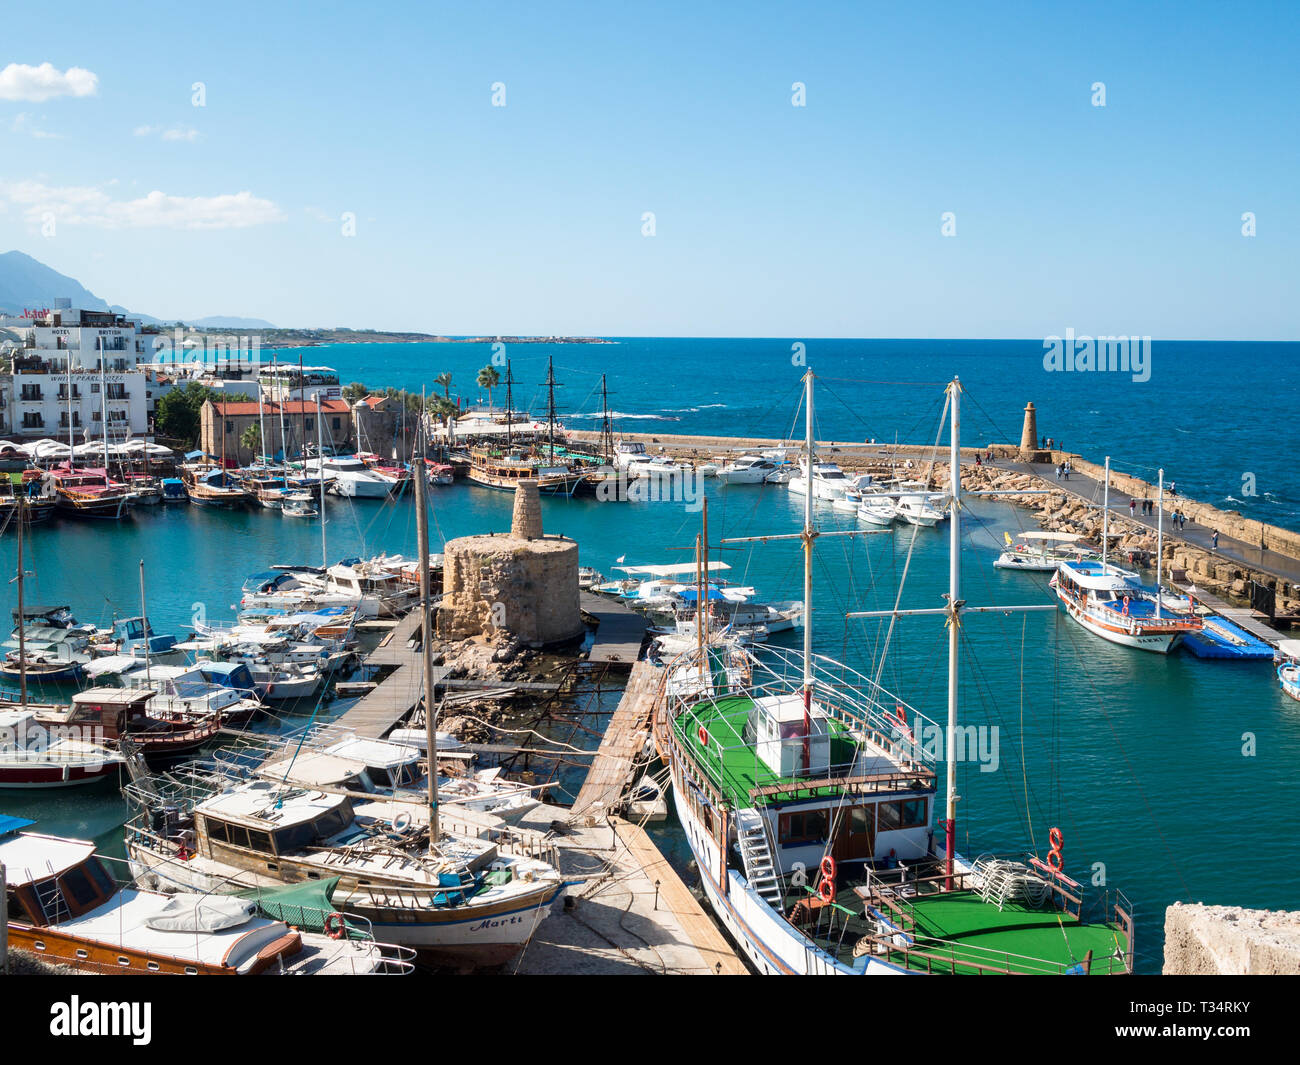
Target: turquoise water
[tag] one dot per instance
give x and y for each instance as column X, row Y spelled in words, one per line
column 1208, row 412
column 1137, row 758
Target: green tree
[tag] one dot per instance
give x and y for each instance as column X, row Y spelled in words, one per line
column 251, row 438
column 489, row 377
column 177, row 414
column 443, row 381
column 355, row 391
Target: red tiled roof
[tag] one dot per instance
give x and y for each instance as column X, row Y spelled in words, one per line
column 293, row 406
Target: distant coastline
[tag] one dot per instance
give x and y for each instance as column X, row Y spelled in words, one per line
column 310, row 338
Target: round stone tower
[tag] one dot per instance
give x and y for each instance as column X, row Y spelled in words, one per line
column 525, row 582
column 1029, row 435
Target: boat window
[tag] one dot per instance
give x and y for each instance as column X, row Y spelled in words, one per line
column 909, row 813
column 862, row 820
column 78, row 887
column 804, row 826
column 260, row 841
column 378, row 777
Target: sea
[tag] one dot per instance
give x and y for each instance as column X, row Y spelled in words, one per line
column 1170, row 778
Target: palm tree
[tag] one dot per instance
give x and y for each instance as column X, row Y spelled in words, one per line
column 443, row 381
column 251, row 438
column 489, row 377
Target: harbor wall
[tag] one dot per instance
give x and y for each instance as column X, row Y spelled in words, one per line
column 1230, row 941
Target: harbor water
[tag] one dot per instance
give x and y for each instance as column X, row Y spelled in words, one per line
column 1171, row 778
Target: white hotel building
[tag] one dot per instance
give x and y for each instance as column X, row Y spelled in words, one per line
column 79, row 366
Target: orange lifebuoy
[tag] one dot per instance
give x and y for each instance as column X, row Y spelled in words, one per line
column 703, row 736
column 1055, row 856
column 334, row 927
column 1126, row 603
column 826, row 886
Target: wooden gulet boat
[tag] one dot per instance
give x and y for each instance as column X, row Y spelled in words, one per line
column 807, row 794
column 65, row 907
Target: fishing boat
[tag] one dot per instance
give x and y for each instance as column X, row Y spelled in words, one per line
column 146, row 491
column 1041, row 551
column 268, row 490
column 33, row 756
column 440, row 473
column 89, row 493
column 299, row 505
column 1114, row 604
column 808, row 803
column 65, row 908
column 215, row 487
column 1288, row 667
column 103, row 713
column 173, row 490
column 474, row 899
column 37, row 506
column 747, row 469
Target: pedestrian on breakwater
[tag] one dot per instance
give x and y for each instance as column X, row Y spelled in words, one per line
column 1059, row 469
column 1132, row 508
column 1214, row 540
column 1067, row 470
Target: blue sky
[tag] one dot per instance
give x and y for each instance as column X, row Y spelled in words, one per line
column 770, row 220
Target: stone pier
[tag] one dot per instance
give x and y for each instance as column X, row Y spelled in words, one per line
column 1230, row 941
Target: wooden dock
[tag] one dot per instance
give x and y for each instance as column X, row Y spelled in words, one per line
column 620, row 631
column 623, row 744
column 396, row 695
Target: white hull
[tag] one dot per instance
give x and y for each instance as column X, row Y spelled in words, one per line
column 876, row 514
column 821, row 489
column 771, row 944
column 1160, row 643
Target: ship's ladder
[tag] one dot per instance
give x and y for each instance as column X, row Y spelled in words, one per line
column 53, row 905
column 756, row 855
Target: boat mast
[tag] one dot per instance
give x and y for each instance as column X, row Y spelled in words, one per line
column 1105, row 515
column 606, row 426
column 955, row 605
column 702, row 577
column 510, row 406
column 22, row 615
column 302, row 419
column 103, row 404
column 808, row 535
column 1160, row 536
column 320, row 438
column 550, row 404
column 144, row 622
column 261, row 426
column 426, row 629
column 279, row 398
column 71, row 465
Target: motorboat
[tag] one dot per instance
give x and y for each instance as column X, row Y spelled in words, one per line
column 353, row 479
column 829, row 482
column 34, row 756
column 747, row 469
column 1041, row 551
column 921, row 508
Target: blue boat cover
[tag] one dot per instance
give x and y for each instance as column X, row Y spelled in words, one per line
column 10, row 825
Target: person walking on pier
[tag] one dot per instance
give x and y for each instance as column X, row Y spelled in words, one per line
column 1132, row 508
column 1214, row 540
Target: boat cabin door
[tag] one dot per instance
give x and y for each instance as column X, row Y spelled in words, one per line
column 855, row 837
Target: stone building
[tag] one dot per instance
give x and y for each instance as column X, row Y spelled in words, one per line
column 231, row 420
column 523, row 582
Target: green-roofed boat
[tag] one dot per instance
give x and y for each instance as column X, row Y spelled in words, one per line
column 807, row 793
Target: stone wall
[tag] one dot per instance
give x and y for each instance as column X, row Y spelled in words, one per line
column 527, row 587
column 1231, row 941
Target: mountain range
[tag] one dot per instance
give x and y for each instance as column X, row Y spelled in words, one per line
column 28, row 284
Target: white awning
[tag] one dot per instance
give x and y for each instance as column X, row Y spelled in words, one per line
column 1290, row 648
column 1061, row 537
column 670, row 571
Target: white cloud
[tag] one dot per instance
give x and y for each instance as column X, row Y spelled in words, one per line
column 175, row 133
column 22, row 124
column 90, row 206
column 18, row 81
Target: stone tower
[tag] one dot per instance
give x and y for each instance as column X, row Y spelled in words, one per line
column 524, row 582
column 527, row 521
column 1029, row 435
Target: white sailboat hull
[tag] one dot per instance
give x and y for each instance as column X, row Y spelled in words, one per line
column 1159, row 642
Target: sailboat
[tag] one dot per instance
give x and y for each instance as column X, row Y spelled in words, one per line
column 1114, row 604
column 809, row 805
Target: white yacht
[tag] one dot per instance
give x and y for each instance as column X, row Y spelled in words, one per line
column 921, row 508
column 353, row 478
column 748, row 469
column 828, row 480
column 876, row 508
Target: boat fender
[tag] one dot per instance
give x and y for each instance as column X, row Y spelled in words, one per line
column 334, row 927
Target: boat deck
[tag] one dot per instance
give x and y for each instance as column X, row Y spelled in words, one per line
column 732, row 760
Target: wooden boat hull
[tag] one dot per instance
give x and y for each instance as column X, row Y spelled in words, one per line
column 53, row 775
